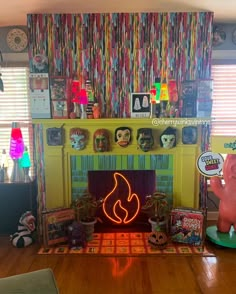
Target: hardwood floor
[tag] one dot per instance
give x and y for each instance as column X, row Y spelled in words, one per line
column 126, row 275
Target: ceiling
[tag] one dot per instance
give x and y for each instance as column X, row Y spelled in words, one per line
column 14, row 12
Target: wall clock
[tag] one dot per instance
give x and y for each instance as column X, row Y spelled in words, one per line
column 17, row 40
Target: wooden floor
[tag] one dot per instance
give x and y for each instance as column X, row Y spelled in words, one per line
column 127, row 275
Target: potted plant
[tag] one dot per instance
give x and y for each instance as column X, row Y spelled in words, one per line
column 86, row 207
column 157, row 208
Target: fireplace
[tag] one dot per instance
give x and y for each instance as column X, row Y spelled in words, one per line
column 63, row 174
column 123, row 194
column 146, row 174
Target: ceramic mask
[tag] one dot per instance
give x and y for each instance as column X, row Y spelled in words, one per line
column 168, row 141
column 101, row 141
column 78, row 139
column 123, row 136
column 145, row 139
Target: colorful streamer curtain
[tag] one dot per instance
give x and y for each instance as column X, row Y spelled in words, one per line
column 123, row 53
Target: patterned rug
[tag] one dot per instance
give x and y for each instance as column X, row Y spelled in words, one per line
column 123, row 244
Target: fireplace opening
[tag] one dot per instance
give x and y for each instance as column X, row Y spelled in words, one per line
column 123, row 193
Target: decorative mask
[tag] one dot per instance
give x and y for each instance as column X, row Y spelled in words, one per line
column 101, row 141
column 145, row 139
column 168, row 138
column 189, row 135
column 78, row 138
column 123, row 136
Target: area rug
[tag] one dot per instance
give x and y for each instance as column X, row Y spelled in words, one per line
column 123, row 244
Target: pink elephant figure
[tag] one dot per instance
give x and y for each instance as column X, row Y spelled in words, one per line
column 227, row 194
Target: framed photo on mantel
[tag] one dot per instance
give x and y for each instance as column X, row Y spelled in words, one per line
column 140, row 105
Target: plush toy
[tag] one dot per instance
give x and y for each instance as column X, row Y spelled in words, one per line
column 24, row 236
column 227, row 195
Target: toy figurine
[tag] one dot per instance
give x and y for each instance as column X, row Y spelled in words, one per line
column 227, row 195
column 78, row 138
column 101, row 142
column 123, row 136
column 145, row 139
column 76, row 236
column 168, row 138
column 96, row 111
column 24, row 236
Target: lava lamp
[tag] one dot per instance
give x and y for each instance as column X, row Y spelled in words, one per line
column 157, row 85
column 83, row 102
column 25, row 164
column 75, row 97
column 16, row 151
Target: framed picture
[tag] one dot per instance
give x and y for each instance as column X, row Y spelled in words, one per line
column 55, row 225
column 140, row 105
column 60, row 109
column 40, row 95
column 188, row 90
column 60, row 88
column 55, row 136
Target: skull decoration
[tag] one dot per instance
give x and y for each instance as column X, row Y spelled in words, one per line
column 158, row 240
column 123, row 136
column 101, row 142
column 78, row 138
column 145, row 139
column 168, row 138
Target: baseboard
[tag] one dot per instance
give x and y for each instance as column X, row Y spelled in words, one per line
column 212, row 215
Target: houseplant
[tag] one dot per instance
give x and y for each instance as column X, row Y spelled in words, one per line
column 86, row 207
column 157, row 208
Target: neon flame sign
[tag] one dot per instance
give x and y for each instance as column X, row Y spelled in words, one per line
column 125, row 208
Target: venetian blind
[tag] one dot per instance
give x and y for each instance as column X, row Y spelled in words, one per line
column 15, row 107
column 224, row 100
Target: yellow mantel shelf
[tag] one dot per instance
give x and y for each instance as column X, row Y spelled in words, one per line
column 57, row 158
column 152, row 122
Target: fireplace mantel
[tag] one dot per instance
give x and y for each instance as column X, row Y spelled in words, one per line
column 58, row 163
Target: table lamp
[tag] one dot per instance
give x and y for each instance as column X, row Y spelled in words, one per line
column 16, row 151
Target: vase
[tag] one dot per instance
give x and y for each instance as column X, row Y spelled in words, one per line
column 163, row 225
column 89, row 229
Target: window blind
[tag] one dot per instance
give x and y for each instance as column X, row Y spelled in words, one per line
column 224, row 100
column 15, row 107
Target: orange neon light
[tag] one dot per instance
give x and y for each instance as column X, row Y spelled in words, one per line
column 118, row 206
column 118, row 269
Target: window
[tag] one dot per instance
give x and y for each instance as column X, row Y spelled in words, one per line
column 15, row 107
column 224, row 100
